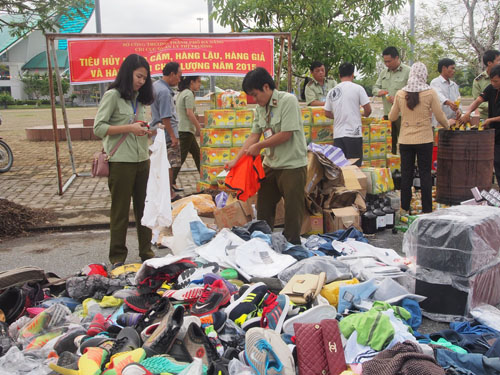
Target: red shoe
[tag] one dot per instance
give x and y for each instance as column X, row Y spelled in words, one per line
column 99, row 324
column 213, row 297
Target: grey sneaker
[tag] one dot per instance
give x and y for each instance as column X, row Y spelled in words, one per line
column 164, row 336
column 199, row 346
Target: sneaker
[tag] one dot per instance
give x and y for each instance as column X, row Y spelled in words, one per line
column 217, row 319
column 187, row 321
column 210, row 278
column 192, row 275
column 247, row 305
column 314, row 315
column 127, row 340
column 184, row 295
column 52, row 317
column 6, row 341
column 199, row 346
column 214, row 296
column 267, row 354
column 99, row 324
column 243, row 288
column 135, row 369
column 142, row 302
column 13, row 304
column 124, row 293
column 68, row 360
column 164, row 287
column 275, row 311
column 89, row 363
column 164, row 336
column 66, row 342
column 118, row 362
column 155, row 314
column 40, row 341
column 86, row 342
column 128, row 319
column 148, row 331
column 163, row 364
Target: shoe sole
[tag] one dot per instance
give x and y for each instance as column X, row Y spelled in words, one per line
column 232, row 306
column 196, row 274
column 190, row 294
column 313, row 315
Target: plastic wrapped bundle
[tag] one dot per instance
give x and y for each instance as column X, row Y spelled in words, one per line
column 460, row 240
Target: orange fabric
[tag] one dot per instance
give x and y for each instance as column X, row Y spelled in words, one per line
column 245, row 177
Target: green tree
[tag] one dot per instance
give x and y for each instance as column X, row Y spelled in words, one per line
column 330, row 31
column 38, row 14
column 6, row 99
column 37, row 85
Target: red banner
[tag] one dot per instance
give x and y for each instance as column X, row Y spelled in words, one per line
column 98, row 60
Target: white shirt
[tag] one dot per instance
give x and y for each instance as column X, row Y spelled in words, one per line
column 344, row 101
column 446, row 90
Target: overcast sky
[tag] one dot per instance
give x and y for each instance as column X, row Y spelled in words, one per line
column 153, row 16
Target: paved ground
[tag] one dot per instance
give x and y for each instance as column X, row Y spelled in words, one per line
column 32, row 181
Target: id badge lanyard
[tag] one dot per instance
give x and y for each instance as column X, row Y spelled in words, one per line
column 134, row 108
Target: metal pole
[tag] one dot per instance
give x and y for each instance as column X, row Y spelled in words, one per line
column 54, row 119
column 211, row 30
column 412, row 30
column 98, row 30
column 199, row 20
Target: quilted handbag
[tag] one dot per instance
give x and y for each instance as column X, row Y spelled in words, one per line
column 302, row 289
column 100, row 160
column 319, row 348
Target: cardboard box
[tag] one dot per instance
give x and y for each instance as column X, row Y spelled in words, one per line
column 341, row 218
column 365, row 130
column 319, row 117
column 306, row 116
column 244, row 118
column 220, row 118
column 355, row 179
column 307, row 133
column 313, row 224
column 215, row 155
column 366, row 152
column 322, row 133
column 377, row 150
column 216, row 137
column 235, row 214
column 240, row 135
column 315, row 172
column 228, row 99
column 208, row 173
column 393, row 162
column 378, row 163
column 377, row 133
column 233, row 151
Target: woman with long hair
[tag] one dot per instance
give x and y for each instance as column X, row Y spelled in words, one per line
column 122, row 114
column 189, row 126
column 416, row 102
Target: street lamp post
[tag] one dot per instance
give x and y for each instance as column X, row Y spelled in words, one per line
column 199, row 20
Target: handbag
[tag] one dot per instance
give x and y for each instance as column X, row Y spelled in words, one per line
column 100, row 161
column 319, row 348
column 302, row 289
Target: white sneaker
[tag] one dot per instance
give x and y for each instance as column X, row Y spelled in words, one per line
column 185, row 295
column 195, row 274
column 314, row 315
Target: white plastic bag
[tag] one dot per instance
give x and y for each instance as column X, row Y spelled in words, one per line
column 195, row 368
column 182, row 243
column 235, row 367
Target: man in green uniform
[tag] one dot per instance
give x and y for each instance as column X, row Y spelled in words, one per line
column 491, row 58
column 388, row 83
column 317, row 88
column 277, row 119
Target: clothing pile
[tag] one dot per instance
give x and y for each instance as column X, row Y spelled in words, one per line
column 244, row 302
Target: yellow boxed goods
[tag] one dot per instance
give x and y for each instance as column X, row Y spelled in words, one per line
column 319, row 117
column 240, row 135
column 305, row 114
column 208, row 173
column 220, row 118
column 377, row 133
column 228, row 99
column 378, row 163
column 388, row 142
column 200, row 186
column 307, row 133
column 388, row 127
column 381, row 179
column 322, row 133
column 365, row 129
column 216, row 137
column 215, row 155
column 365, row 163
column 331, row 291
column 244, row 118
column 377, row 150
column 367, row 120
column 393, row 162
column 234, row 151
column 366, row 151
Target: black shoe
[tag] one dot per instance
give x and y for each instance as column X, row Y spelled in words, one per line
column 156, row 313
column 13, row 304
column 66, row 343
column 177, row 189
column 198, row 345
column 163, row 338
column 128, row 339
column 143, row 302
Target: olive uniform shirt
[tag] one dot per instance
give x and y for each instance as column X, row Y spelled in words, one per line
column 314, row 91
column 114, row 110
column 392, row 81
column 185, row 100
column 478, row 86
column 282, row 113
